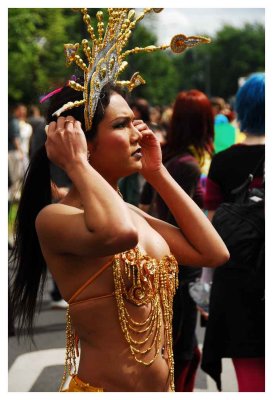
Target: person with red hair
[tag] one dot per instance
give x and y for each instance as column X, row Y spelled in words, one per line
column 191, row 127
column 189, row 145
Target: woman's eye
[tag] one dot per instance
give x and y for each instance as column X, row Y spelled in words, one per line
column 120, row 125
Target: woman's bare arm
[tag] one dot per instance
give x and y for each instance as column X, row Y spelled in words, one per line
column 104, row 226
column 195, row 242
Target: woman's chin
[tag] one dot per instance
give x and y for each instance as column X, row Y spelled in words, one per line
column 134, row 167
column 138, row 165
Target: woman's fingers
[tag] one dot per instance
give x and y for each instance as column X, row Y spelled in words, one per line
column 69, row 122
column 143, row 128
column 65, row 142
column 147, row 132
column 78, row 125
column 51, row 127
column 60, row 123
column 148, row 136
column 140, row 125
column 137, row 121
column 63, row 124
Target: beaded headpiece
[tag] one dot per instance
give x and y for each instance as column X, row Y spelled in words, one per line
column 105, row 56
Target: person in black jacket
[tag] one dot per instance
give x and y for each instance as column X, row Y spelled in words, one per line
column 236, row 326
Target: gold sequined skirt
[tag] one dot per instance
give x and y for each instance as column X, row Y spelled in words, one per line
column 77, row 385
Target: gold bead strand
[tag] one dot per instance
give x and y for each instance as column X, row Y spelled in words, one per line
column 166, row 297
column 69, row 106
column 87, row 21
column 70, row 355
column 110, row 28
column 80, row 63
column 87, row 52
column 76, row 86
column 140, row 17
column 124, row 319
column 100, row 26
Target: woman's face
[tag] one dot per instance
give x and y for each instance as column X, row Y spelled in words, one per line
column 112, row 153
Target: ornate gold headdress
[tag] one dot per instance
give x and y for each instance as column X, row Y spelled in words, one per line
column 105, row 56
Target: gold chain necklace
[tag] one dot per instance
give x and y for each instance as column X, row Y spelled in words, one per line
column 153, row 282
column 70, row 367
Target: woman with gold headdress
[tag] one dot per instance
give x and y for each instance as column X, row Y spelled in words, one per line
column 115, row 265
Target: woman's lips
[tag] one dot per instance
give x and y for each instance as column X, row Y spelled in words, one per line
column 137, row 154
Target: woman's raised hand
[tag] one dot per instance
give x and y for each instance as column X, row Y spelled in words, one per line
column 150, row 149
column 66, row 142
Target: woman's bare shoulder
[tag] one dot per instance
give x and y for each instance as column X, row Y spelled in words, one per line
column 51, row 212
column 58, row 208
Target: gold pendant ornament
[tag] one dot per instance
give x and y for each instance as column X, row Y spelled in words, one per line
column 105, row 58
column 181, row 42
column 153, row 282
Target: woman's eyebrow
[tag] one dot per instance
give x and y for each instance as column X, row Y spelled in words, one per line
column 123, row 118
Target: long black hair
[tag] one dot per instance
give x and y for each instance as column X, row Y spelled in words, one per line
column 29, row 267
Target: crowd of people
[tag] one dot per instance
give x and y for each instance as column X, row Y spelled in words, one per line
column 26, row 134
column 119, row 200
column 185, row 133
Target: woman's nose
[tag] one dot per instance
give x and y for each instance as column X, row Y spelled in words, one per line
column 136, row 134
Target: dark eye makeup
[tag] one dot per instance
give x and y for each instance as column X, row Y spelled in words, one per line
column 122, row 123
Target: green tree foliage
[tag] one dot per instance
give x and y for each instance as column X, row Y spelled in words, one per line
column 23, row 53
column 235, row 53
column 37, row 63
column 216, row 68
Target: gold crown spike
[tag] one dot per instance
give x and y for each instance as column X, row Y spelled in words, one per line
column 105, row 57
column 87, row 50
column 87, row 20
column 135, row 81
column 76, row 86
column 68, row 106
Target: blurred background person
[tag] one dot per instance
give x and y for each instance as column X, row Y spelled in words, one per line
column 15, row 151
column 236, row 323
column 224, row 131
column 141, row 109
column 15, row 159
column 189, row 143
column 60, row 182
column 166, row 117
column 16, row 164
column 218, row 106
column 21, row 113
column 38, row 123
column 155, row 115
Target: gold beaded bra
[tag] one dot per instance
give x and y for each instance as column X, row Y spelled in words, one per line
column 140, row 280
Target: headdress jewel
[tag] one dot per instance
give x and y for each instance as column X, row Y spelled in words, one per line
column 105, row 56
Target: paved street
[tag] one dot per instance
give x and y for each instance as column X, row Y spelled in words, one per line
column 40, row 368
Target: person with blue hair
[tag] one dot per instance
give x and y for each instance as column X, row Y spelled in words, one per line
column 236, row 320
column 250, row 105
